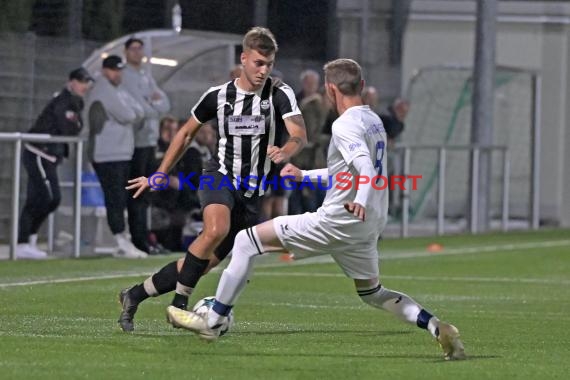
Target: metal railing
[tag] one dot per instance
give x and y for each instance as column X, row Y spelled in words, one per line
column 405, row 152
column 19, row 138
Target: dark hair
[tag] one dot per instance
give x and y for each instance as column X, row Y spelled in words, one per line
column 260, row 39
column 81, row 75
column 167, row 119
column 133, row 40
column 345, row 74
column 113, row 62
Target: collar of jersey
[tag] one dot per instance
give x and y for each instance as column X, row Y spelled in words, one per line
column 257, row 92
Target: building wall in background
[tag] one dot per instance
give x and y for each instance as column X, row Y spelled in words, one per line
column 530, row 35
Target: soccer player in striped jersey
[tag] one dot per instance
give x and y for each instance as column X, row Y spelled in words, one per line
column 347, row 226
column 248, row 111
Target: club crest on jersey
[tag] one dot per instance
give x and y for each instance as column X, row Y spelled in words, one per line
column 264, row 104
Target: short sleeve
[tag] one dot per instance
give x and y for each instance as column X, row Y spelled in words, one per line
column 349, row 140
column 284, row 101
column 207, row 106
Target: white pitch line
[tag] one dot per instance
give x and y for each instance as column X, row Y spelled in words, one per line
column 322, row 259
column 308, row 274
column 73, row 279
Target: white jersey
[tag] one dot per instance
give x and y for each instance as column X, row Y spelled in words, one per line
column 357, row 132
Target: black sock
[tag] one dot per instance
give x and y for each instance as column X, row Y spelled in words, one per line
column 138, row 294
column 191, row 271
column 180, row 301
column 165, row 279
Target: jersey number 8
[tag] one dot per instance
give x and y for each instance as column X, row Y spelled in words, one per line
column 379, row 156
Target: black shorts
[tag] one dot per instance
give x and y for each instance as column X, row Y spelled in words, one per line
column 244, row 210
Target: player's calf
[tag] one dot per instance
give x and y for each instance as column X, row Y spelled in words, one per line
column 406, row 309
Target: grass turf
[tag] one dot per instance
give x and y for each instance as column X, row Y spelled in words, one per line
column 507, row 293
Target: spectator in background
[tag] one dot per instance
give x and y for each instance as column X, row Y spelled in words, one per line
column 168, row 127
column 159, row 238
column 235, row 72
column 140, row 84
column 61, row 117
column 370, row 97
column 304, row 198
column 164, row 212
column 174, row 207
column 393, row 119
column 113, row 114
column 274, row 203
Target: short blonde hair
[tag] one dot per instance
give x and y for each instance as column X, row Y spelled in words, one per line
column 345, row 74
column 260, row 39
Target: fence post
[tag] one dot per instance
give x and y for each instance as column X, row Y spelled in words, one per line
column 506, row 183
column 474, row 186
column 441, row 192
column 15, row 196
column 77, row 200
column 535, row 160
column 405, row 195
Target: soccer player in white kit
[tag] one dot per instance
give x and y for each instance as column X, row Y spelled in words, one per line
column 347, row 226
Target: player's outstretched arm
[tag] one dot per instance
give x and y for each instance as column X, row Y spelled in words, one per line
column 177, row 147
column 296, row 128
column 291, row 170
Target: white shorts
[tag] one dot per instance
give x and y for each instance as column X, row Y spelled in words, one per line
column 309, row 234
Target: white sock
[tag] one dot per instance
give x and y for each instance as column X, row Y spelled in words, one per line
column 33, row 239
column 401, row 305
column 184, row 290
column 149, row 287
column 234, row 278
column 214, row 318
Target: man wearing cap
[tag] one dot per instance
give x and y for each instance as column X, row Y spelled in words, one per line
column 61, row 117
column 113, row 114
column 142, row 86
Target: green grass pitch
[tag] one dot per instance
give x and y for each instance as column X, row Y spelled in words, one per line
column 507, row 293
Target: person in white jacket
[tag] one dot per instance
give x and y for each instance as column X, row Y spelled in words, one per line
column 140, row 84
column 113, row 114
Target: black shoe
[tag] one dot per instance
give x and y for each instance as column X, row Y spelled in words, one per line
column 128, row 313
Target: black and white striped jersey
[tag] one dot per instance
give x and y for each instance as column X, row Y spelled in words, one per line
column 246, row 124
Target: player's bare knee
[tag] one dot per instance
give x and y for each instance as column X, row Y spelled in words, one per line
column 179, row 264
column 214, row 235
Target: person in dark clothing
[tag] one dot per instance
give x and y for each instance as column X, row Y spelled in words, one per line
column 393, row 119
column 140, row 84
column 171, row 205
column 61, row 117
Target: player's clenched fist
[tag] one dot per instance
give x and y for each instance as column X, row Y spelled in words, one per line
column 276, row 154
column 291, row 170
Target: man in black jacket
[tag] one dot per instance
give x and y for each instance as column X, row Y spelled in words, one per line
column 61, row 117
